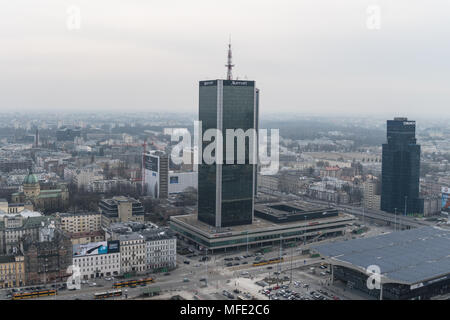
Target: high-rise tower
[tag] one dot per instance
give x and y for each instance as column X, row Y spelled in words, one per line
column 226, row 191
column 401, row 168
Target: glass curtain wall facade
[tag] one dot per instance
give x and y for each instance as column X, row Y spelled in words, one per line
column 226, row 191
column 401, row 169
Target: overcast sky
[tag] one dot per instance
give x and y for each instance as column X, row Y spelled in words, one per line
column 312, row 56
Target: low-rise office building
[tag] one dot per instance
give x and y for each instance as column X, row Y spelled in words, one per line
column 120, row 209
column 286, row 221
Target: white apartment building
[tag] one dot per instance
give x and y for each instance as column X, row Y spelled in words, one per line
column 372, row 198
column 83, row 177
column 103, row 186
column 132, row 253
column 80, row 222
column 97, row 259
column 161, row 249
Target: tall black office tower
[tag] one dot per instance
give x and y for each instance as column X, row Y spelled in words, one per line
column 226, row 191
column 401, row 169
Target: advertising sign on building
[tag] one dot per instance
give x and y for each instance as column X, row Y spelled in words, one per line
column 151, row 165
column 113, row 246
column 92, row 248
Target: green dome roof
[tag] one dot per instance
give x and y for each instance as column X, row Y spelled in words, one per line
column 30, row 179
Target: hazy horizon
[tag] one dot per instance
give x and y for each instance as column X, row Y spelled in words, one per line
column 308, row 57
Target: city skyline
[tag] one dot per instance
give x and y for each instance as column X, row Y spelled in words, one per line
column 223, row 152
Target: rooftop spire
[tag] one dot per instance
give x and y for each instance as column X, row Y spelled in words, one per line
column 229, row 65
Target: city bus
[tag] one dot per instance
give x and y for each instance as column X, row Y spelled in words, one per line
column 107, row 294
column 266, row 262
column 33, row 294
column 132, row 283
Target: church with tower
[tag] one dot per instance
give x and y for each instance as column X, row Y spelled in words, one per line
column 34, row 197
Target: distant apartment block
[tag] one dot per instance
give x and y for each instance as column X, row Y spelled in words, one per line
column 8, row 164
column 82, row 228
column 67, row 134
column 372, row 194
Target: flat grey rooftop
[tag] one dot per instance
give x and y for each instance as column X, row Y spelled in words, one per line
column 258, row 225
column 407, row 257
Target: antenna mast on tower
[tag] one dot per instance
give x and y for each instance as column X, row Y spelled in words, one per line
column 229, row 65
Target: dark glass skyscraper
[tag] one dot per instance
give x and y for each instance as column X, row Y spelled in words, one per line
column 401, row 168
column 226, row 191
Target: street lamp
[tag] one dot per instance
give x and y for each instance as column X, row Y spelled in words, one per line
column 395, row 223
column 247, row 242
column 304, row 233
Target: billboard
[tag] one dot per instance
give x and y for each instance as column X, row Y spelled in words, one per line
column 96, row 248
column 179, row 181
column 151, row 172
column 92, row 248
column 173, row 179
column 151, row 163
column 113, row 246
column 445, row 207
